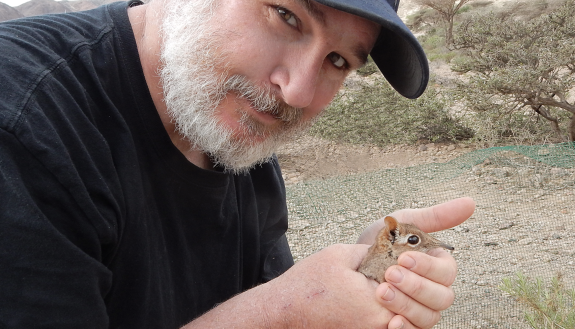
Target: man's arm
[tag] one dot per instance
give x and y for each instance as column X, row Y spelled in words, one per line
column 325, row 290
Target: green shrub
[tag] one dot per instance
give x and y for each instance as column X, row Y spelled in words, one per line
column 464, row 9
column 548, row 306
column 374, row 113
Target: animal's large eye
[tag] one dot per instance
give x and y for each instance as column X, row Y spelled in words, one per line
column 414, row 239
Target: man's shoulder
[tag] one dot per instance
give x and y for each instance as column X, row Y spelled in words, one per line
column 47, row 39
column 39, row 46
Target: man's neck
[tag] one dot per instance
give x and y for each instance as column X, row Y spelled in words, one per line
column 146, row 22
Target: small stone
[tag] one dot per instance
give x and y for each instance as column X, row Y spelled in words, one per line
column 558, row 171
column 487, row 244
column 526, row 241
column 507, row 226
column 423, row 148
column 481, row 283
column 556, row 236
column 461, row 229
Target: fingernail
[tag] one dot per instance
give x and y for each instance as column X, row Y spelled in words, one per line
column 389, row 295
column 395, row 276
column 407, row 262
column 400, row 326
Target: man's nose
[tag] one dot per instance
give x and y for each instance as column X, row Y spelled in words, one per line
column 298, row 78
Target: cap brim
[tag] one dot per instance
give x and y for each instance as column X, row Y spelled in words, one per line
column 397, row 52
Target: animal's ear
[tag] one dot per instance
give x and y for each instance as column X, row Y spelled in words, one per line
column 390, row 223
column 387, row 233
column 392, row 228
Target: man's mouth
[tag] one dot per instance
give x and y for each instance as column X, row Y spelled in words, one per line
column 266, row 107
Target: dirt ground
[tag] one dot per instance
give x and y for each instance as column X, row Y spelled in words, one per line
column 523, row 221
column 311, row 158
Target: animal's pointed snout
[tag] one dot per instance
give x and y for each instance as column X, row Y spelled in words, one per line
column 446, row 246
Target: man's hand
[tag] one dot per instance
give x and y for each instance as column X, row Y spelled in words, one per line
column 325, row 290
column 420, row 286
column 321, row 291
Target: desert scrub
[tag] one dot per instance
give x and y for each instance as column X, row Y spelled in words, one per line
column 548, row 306
column 373, row 113
column 368, row 69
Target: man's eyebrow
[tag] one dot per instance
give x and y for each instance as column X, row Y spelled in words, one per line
column 361, row 54
column 312, row 10
column 358, row 51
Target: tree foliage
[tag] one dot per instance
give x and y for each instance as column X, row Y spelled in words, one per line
column 447, row 9
column 520, row 66
column 373, row 113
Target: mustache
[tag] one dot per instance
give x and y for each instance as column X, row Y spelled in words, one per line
column 263, row 99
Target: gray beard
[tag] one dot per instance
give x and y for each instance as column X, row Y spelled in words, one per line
column 195, row 81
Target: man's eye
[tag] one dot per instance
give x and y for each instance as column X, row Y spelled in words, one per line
column 287, row 16
column 337, row 60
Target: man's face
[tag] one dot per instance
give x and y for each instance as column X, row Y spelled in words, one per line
column 241, row 77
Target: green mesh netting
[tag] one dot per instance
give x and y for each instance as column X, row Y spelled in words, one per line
column 524, row 220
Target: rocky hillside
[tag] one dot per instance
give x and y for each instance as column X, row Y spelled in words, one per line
column 41, row 7
column 7, row 12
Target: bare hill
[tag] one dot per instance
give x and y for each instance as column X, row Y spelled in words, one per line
column 8, row 13
column 41, row 7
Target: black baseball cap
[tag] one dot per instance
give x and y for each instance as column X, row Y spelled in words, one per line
column 397, row 52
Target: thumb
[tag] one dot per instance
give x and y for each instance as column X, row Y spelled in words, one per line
column 348, row 255
column 438, row 217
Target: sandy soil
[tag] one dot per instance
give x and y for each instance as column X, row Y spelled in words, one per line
column 311, row 158
column 523, row 221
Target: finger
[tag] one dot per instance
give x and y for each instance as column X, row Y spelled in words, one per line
column 431, row 219
column 430, row 294
column 368, row 235
column 414, row 314
column 399, row 322
column 438, row 217
column 438, row 265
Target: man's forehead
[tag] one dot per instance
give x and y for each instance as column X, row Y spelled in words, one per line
column 312, row 9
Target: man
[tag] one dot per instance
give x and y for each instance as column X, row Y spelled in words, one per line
column 137, row 178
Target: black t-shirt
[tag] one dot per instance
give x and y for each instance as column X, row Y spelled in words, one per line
column 103, row 222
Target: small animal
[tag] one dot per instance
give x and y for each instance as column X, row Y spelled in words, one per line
column 390, row 242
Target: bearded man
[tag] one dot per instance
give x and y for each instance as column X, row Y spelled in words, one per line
column 139, row 186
